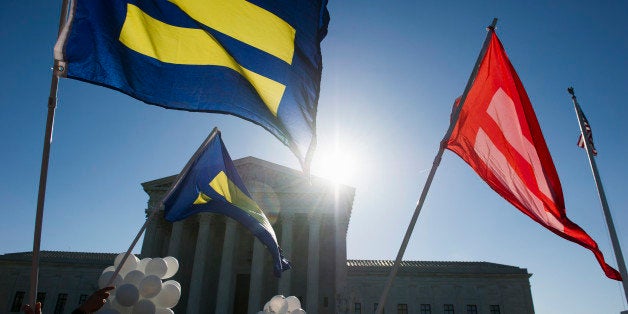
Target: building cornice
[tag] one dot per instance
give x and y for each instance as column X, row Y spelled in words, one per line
column 62, row 257
column 383, row 267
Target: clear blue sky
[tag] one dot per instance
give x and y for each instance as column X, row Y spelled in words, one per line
column 391, row 72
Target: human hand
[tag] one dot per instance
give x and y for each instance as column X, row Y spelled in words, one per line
column 29, row 310
column 95, row 301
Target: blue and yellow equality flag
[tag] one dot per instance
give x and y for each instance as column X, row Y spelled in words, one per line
column 259, row 60
column 210, row 183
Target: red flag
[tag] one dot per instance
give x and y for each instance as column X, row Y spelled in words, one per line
column 498, row 135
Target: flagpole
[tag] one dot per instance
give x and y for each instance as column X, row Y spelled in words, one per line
column 45, row 158
column 600, row 189
column 128, row 252
column 435, row 164
column 187, row 167
column 177, row 181
column 174, row 185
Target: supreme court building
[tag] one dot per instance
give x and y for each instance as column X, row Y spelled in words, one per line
column 224, row 269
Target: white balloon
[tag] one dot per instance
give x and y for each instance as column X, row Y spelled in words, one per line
column 150, row 286
column 293, row 303
column 134, row 277
column 129, row 259
column 168, row 297
column 144, row 306
column 283, row 310
column 173, row 282
column 127, row 294
column 161, row 310
column 142, row 264
column 278, row 304
column 110, row 268
column 157, row 266
column 298, row 311
column 106, row 276
column 129, row 265
column 267, row 307
column 173, row 266
column 122, row 309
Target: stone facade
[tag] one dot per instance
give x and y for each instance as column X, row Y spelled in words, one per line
column 223, row 269
column 65, row 279
column 226, row 270
column 463, row 287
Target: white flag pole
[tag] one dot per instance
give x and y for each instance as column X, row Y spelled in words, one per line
column 45, row 158
column 190, row 162
column 600, row 189
column 174, row 185
column 436, row 163
column 137, row 237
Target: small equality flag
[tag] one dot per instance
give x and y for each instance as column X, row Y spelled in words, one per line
column 498, row 135
column 589, row 135
column 210, row 183
column 258, row 61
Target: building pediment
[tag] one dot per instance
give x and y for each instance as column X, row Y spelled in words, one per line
column 268, row 180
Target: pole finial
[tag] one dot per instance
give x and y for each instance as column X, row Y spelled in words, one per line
column 492, row 26
column 572, row 93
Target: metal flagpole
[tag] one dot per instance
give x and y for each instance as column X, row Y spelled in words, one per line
column 600, row 189
column 45, row 157
column 436, row 163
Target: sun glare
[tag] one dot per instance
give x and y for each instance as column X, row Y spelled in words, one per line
column 337, row 166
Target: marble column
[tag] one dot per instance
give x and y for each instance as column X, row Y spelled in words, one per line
column 174, row 246
column 195, row 296
column 148, row 245
column 287, row 221
column 255, row 285
column 340, row 240
column 223, row 299
column 311, row 299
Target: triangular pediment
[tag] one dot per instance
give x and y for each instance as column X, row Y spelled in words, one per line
column 269, row 180
column 271, row 173
column 159, row 184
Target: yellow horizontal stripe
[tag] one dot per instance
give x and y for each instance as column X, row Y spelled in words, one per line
column 245, row 22
column 189, row 46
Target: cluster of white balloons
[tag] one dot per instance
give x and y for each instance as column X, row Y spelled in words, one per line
column 282, row 305
column 138, row 286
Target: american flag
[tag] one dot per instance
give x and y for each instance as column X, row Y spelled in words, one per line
column 587, row 131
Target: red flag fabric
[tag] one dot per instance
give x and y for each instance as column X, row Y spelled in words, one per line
column 498, row 135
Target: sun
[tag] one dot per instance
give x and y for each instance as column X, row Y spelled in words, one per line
column 336, row 165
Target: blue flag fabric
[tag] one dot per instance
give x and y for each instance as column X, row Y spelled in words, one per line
column 210, row 183
column 259, row 60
